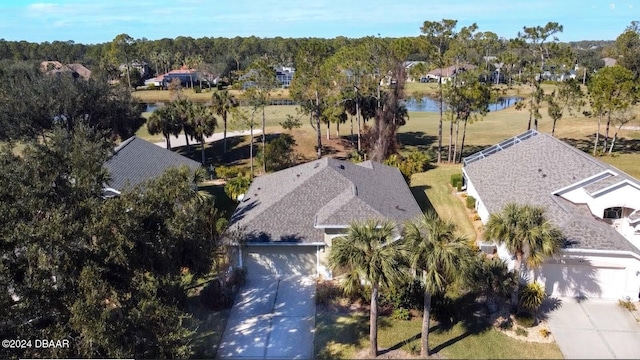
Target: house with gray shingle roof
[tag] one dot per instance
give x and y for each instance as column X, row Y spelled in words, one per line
column 596, row 206
column 288, row 218
column 135, row 161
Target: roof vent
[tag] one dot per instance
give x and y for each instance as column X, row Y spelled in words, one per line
column 341, row 167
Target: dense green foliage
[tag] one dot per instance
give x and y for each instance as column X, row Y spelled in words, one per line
column 278, row 153
column 32, row 103
column 110, row 274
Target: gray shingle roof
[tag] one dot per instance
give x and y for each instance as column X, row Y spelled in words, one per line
column 136, row 160
column 532, row 170
column 296, row 203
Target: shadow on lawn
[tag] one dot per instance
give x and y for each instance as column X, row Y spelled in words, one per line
column 417, row 139
column 349, row 332
column 622, row 145
column 419, row 192
column 447, row 312
column 465, row 310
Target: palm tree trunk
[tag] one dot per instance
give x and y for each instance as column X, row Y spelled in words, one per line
column 595, row 145
column 251, row 147
column 328, row 129
column 464, row 135
column 317, row 114
column 358, row 120
column 373, row 322
column 455, row 146
column 224, row 136
column 440, row 122
column 264, row 142
column 426, row 321
column 606, row 132
column 202, row 150
column 168, row 137
column 553, row 129
column 338, row 129
column 449, row 158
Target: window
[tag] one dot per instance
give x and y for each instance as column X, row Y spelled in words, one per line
column 613, row 213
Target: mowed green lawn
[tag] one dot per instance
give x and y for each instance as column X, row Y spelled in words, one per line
column 421, row 132
column 342, row 336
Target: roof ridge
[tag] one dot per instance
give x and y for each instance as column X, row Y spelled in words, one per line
column 124, row 143
column 590, row 158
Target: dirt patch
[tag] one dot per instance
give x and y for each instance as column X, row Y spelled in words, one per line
column 536, row 334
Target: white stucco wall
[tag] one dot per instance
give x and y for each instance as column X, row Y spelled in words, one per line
column 471, row 191
column 625, row 196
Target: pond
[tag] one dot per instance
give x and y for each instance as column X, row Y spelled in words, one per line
column 427, row 104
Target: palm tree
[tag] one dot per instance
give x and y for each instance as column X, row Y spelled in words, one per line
column 203, row 124
column 183, row 108
column 526, row 232
column 442, row 257
column 369, row 253
column 164, row 121
column 221, row 103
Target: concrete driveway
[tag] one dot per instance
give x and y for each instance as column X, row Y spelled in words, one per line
column 271, row 319
column 595, row 329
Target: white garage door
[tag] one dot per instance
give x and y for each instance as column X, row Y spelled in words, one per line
column 583, row 280
column 280, row 260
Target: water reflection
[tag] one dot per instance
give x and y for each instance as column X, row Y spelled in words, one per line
column 428, row 104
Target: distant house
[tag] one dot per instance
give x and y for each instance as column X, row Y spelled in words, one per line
column 408, row 66
column 136, row 160
column 596, row 206
column 187, row 77
column 284, row 75
column 77, row 71
column 140, row 66
column 288, row 219
column 447, row 74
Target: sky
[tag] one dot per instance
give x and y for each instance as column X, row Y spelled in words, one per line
column 99, row 21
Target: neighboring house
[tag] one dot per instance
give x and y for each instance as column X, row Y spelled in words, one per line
column 408, row 69
column 185, row 76
column 284, row 75
column 142, row 67
column 288, row 219
column 447, row 74
column 596, row 206
column 74, row 70
column 136, row 160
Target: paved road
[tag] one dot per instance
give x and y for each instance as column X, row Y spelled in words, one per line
column 271, row 319
column 595, row 329
column 181, row 139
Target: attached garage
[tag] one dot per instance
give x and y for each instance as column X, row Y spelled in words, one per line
column 589, row 278
column 280, row 260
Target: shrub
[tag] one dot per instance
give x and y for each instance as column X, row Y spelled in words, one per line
column 455, row 180
column 545, row 333
column 197, row 89
column 152, row 87
column 215, row 296
column 627, row 304
column 414, row 162
column 227, row 172
column 531, row 296
column 471, row 202
column 506, row 324
column 401, row 314
column 278, row 153
column 525, row 319
column 521, row 332
column 406, row 296
column 236, row 186
column 475, row 217
column 326, row 292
